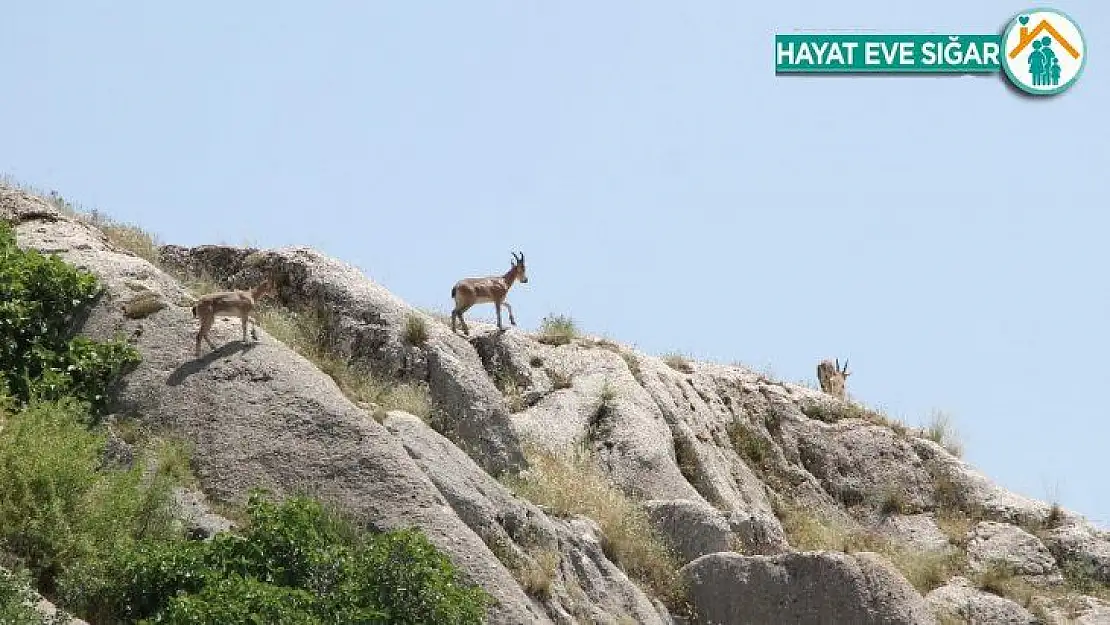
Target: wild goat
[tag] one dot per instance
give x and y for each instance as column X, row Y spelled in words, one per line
column 229, row 304
column 832, row 377
column 493, row 289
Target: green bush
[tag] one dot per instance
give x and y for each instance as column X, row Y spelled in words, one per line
column 57, row 508
column 295, row 562
column 41, row 300
column 16, row 599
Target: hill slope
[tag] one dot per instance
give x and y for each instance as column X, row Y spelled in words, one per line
column 575, row 479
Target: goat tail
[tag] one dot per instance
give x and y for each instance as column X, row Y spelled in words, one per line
column 194, row 309
column 453, row 289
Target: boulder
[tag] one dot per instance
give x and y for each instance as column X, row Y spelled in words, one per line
column 993, row 543
column 799, row 588
column 199, row 522
column 916, row 530
column 1082, row 547
column 691, row 528
column 959, row 599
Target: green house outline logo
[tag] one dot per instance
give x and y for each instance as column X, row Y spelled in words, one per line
column 1045, row 28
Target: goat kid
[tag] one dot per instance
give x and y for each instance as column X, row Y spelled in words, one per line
column 491, row 289
column 238, row 303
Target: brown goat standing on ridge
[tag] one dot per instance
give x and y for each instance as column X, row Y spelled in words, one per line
column 832, row 377
column 229, row 304
column 493, row 289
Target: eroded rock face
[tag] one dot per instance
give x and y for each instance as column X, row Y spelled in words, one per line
column 731, row 589
column 713, row 450
column 259, row 415
column 918, row 530
column 992, row 543
column 561, row 561
column 960, row 599
column 365, row 325
column 691, row 528
column 1078, row 544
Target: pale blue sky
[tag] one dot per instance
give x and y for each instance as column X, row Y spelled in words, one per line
column 943, row 233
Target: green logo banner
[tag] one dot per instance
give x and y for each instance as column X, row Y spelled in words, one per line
column 867, row 52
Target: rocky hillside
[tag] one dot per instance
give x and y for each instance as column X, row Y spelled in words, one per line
column 575, row 479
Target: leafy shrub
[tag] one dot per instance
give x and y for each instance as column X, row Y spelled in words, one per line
column 295, row 562
column 557, row 330
column 16, row 599
column 41, row 300
column 56, row 507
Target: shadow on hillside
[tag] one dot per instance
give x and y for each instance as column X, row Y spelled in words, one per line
column 197, row 364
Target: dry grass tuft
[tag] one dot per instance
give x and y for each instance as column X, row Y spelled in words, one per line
column 303, row 332
column 557, row 330
column 570, row 484
column 559, row 380
column 538, row 574
column 678, row 362
column 926, row 570
column 514, row 395
column 416, row 330
column 941, row 431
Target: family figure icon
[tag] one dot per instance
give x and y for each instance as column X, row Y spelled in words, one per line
column 1044, row 67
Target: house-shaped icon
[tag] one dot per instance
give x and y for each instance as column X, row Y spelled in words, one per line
column 1027, row 37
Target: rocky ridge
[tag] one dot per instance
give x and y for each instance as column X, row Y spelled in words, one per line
column 757, row 485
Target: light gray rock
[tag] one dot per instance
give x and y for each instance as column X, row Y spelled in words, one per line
column 1073, row 610
column 758, row 533
column 917, row 530
column 259, row 415
column 848, row 456
column 1083, row 547
column 200, row 523
column 992, row 542
column 608, row 412
column 584, row 585
column 974, row 491
column 801, row 588
column 365, row 325
column 691, row 528
column 960, row 599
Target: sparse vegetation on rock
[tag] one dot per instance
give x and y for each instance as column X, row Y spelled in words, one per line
column 557, row 330
column 400, row 425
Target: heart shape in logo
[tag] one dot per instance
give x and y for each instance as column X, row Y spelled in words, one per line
column 1024, row 19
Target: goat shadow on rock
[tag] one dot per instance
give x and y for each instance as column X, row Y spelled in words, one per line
column 198, row 364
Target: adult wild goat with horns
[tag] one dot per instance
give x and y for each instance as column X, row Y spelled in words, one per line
column 491, row 289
